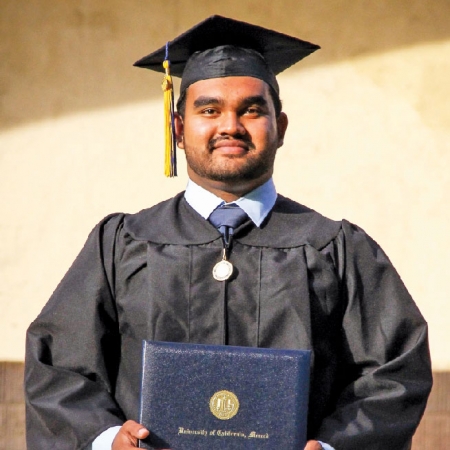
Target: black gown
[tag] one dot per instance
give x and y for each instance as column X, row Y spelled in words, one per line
column 301, row 281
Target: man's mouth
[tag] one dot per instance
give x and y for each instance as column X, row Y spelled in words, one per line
column 230, row 146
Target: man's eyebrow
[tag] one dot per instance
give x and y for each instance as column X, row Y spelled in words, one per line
column 205, row 101
column 246, row 101
column 255, row 100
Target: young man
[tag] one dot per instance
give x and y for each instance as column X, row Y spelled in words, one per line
column 299, row 279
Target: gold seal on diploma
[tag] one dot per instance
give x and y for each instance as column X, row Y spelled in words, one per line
column 224, row 405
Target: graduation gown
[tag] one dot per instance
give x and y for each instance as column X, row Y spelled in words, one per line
column 301, row 281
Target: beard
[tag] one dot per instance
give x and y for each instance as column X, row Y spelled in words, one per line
column 231, row 168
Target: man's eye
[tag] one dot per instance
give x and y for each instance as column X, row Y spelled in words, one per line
column 209, row 111
column 253, row 110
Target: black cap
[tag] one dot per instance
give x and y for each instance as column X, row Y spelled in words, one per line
column 220, row 47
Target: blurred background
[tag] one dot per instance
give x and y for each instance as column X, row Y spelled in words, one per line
column 81, row 136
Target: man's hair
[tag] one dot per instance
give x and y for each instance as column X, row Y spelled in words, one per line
column 181, row 103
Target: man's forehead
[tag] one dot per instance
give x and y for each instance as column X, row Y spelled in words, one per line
column 226, row 87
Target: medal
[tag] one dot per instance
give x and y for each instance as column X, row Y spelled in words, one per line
column 223, row 269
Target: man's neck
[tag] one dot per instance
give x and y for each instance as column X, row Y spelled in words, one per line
column 257, row 203
column 229, row 191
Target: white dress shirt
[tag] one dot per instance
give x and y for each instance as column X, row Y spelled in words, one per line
column 257, row 203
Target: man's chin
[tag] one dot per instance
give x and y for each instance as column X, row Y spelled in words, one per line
column 231, row 170
column 235, row 176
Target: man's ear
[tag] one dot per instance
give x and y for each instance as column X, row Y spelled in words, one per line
column 282, row 124
column 179, row 130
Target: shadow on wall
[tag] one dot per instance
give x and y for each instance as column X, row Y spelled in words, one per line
column 64, row 57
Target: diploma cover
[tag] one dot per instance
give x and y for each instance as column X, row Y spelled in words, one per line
column 197, row 396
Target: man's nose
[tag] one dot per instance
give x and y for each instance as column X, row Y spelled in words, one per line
column 230, row 123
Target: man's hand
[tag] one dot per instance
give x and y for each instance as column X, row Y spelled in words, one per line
column 313, row 445
column 129, row 435
column 131, row 432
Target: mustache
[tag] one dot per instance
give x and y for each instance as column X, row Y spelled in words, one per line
column 244, row 140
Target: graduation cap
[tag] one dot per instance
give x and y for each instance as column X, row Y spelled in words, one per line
column 221, row 47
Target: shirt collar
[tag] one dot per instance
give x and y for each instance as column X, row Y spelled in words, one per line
column 257, row 203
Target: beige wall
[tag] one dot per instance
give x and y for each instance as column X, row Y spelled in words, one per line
column 80, row 132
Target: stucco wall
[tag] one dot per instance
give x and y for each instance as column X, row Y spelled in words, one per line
column 81, row 132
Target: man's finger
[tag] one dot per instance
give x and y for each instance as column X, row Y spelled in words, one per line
column 129, row 435
column 313, row 445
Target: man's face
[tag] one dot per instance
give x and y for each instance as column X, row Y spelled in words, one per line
column 229, row 132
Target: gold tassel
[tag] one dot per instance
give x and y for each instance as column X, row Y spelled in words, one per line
column 170, row 164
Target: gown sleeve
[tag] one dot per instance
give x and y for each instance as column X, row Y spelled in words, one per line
column 385, row 358
column 70, row 367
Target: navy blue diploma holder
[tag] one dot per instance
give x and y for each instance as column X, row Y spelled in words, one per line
column 198, row 397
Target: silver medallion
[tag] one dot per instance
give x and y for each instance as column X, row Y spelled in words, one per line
column 222, row 270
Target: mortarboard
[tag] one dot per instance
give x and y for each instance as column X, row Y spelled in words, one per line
column 221, row 47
